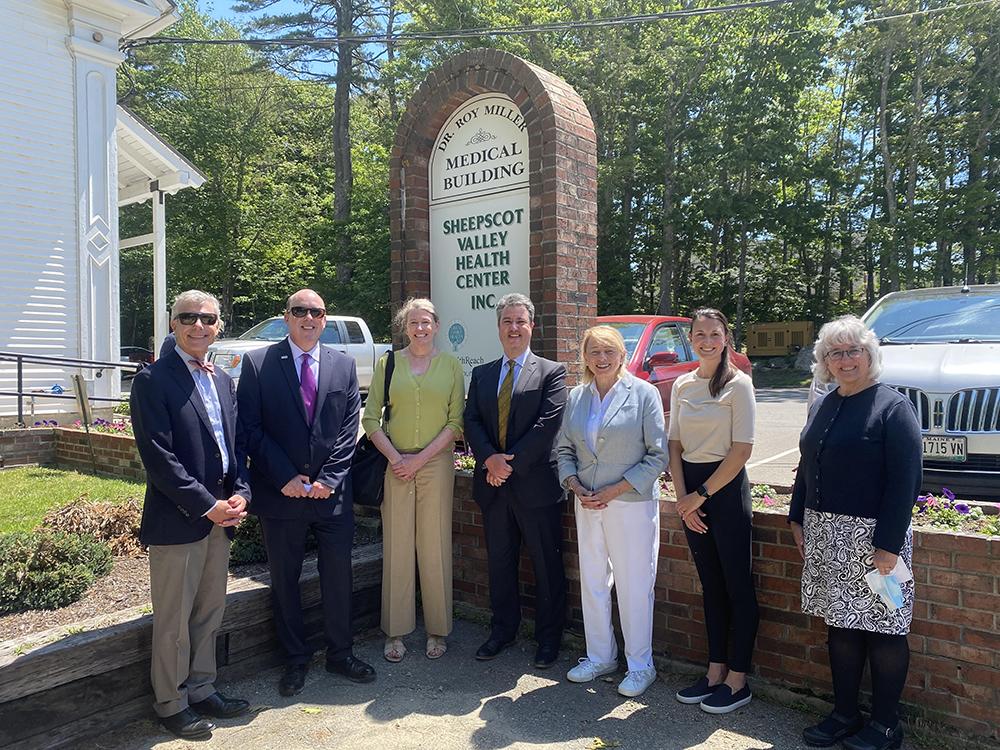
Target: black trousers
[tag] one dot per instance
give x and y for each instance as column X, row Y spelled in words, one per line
column 723, row 557
column 285, row 542
column 506, row 524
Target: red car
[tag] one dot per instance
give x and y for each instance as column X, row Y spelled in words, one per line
column 658, row 349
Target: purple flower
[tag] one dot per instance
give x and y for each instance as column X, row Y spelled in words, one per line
column 948, row 493
column 768, row 501
column 963, row 508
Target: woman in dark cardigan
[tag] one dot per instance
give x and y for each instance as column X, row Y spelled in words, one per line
column 858, row 478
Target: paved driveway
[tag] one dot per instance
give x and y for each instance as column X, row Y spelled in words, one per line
column 781, row 414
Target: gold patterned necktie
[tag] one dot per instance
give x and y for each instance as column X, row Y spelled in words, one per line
column 503, row 403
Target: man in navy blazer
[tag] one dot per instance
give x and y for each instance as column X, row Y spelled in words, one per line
column 516, row 482
column 184, row 419
column 299, row 410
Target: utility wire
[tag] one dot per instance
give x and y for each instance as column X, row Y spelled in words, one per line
column 502, row 31
column 497, row 31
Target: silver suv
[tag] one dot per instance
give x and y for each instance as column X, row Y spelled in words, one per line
column 941, row 349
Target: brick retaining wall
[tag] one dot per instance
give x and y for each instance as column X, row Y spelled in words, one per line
column 20, row 446
column 954, row 676
column 115, row 454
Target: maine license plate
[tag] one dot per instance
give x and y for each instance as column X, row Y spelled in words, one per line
column 944, row 448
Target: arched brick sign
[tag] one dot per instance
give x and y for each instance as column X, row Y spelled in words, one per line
column 555, row 183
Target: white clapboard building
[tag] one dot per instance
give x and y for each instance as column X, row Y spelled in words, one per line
column 70, row 156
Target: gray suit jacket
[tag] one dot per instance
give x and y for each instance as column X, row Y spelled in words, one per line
column 631, row 442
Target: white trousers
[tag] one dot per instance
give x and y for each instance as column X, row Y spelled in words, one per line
column 619, row 547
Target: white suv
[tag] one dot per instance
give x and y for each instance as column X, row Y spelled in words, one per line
column 941, row 349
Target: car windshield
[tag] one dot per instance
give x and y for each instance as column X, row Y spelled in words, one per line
column 275, row 330
column 631, row 332
column 950, row 317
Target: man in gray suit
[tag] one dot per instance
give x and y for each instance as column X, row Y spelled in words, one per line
column 512, row 416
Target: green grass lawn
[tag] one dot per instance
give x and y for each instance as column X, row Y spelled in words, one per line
column 28, row 493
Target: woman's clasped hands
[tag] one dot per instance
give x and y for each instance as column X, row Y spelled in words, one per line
column 689, row 509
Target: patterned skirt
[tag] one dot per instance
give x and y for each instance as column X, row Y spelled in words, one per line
column 839, row 553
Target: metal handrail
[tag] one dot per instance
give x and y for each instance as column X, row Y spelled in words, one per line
column 65, row 362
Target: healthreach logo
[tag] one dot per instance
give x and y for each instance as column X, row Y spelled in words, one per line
column 456, row 335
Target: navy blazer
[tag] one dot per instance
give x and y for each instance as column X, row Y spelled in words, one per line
column 281, row 444
column 175, row 440
column 536, row 410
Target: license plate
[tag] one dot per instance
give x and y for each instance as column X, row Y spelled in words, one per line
column 944, row 448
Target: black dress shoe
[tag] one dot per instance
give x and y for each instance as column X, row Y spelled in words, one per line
column 187, row 725
column 832, row 730
column 546, row 656
column 352, row 668
column 293, row 680
column 492, row 648
column 220, row 707
column 875, row 736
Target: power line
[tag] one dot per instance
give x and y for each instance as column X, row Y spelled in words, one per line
column 451, row 34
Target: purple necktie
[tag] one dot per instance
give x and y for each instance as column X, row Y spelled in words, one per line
column 307, row 384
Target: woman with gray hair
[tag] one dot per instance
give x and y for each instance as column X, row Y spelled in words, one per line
column 857, row 480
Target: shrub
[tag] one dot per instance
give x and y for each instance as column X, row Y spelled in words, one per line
column 48, row 569
column 116, row 523
column 248, row 544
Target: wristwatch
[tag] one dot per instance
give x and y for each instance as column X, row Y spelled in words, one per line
column 702, row 491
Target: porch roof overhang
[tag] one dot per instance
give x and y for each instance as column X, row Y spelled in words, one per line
column 147, row 164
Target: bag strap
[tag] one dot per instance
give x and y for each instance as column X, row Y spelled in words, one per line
column 390, row 365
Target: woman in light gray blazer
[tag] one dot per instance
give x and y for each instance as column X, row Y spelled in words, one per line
column 612, row 449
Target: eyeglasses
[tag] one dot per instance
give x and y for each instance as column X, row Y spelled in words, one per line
column 190, row 318
column 301, row 312
column 838, row 354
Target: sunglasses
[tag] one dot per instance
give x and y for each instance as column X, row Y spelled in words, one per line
column 190, row 318
column 301, row 312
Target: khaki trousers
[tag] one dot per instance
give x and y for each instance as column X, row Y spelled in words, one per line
column 187, row 583
column 416, row 528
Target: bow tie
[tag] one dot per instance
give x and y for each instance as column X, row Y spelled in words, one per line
column 206, row 366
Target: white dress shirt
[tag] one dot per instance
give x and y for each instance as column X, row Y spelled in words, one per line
column 598, row 408
column 205, row 384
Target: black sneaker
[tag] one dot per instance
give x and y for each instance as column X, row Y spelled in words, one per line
column 695, row 693
column 723, row 699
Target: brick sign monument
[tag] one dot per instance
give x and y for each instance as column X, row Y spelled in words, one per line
column 493, row 182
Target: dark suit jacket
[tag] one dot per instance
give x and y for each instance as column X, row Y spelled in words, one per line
column 279, row 441
column 175, row 441
column 536, row 410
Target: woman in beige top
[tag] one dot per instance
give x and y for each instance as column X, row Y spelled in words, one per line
column 710, row 439
column 426, row 397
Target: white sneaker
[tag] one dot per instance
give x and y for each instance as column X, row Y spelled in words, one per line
column 587, row 670
column 636, row 682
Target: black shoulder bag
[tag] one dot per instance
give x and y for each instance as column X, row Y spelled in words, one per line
column 368, row 465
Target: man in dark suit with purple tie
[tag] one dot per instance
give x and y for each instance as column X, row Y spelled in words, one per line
column 184, row 419
column 299, row 412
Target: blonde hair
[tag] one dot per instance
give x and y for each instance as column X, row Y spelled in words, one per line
column 847, row 330
column 412, row 304
column 607, row 336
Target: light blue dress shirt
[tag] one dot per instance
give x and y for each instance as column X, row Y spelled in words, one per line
column 210, row 400
column 518, row 367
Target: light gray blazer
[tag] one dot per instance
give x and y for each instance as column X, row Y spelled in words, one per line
column 631, row 442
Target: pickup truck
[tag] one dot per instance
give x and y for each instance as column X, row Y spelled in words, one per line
column 657, row 349
column 346, row 334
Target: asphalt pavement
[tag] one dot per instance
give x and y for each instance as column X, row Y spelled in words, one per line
column 781, row 415
column 457, row 702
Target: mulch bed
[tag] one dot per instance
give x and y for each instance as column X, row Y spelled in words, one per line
column 127, row 585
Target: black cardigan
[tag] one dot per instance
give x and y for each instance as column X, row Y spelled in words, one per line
column 861, row 456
